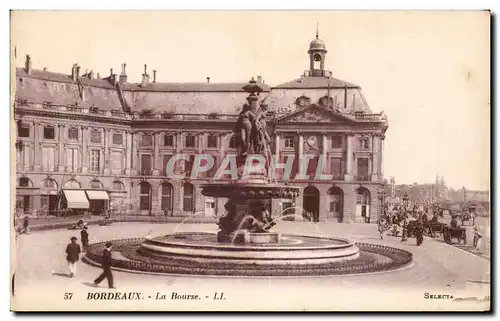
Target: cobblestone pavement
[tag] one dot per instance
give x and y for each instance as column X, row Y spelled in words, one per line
column 437, row 266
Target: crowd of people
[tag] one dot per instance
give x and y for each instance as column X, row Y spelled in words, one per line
column 409, row 222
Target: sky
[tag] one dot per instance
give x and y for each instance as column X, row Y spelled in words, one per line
column 428, row 71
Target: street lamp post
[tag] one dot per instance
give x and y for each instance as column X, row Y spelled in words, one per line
column 405, row 203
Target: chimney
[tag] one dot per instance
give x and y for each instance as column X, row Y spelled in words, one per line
column 259, row 79
column 123, row 75
column 92, row 74
column 28, row 64
column 44, row 68
column 208, row 80
column 145, row 77
column 154, row 76
column 110, row 72
column 74, row 72
column 98, row 76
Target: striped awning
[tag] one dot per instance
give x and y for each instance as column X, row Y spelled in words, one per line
column 76, row 199
column 97, row 195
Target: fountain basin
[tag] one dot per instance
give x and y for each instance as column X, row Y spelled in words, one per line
column 294, row 249
column 148, row 256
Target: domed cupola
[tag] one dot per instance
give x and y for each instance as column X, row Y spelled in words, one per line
column 317, row 52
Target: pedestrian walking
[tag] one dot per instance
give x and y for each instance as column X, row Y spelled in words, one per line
column 106, row 267
column 72, row 255
column 419, row 230
column 84, row 237
column 26, row 225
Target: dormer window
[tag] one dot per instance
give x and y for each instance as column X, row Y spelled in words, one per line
column 303, row 101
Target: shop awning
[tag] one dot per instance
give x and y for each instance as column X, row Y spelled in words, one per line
column 97, row 195
column 76, row 199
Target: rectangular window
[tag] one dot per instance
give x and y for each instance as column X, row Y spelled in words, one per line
column 146, row 164
column 336, row 167
column 212, row 141
column 23, row 130
column 168, row 140
column 364, row 143
column 95, row 137
column 48, row 154
column 49, row 132
column 117, row 139
column 289, row 142
column 95, row 160
column 336, row 141
column 73, row 133
column 190, row 141
column 363, row 174
column 72, row 160
column 147, row 140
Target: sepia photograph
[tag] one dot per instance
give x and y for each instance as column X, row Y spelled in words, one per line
column 250, row 161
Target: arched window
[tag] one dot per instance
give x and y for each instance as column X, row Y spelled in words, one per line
column 24, row 182
column 72, row 184
column 118, row 186
column 95, row 184
column 144, row 196
column 188, row 198
column 166, row 196
column 49, row 183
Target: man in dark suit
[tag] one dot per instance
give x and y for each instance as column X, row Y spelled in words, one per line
column 72, row 255
column 106, row 267
column 84, row 238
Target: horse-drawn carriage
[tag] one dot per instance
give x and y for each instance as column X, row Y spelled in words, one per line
column 457, row 233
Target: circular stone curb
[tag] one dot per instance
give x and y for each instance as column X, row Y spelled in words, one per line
column 367, row 263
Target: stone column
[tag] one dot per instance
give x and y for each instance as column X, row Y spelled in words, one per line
column 348, row 176
column 299, row 154
column 370, row 168
column 60, row 143
column 324, row 153
column 135, row 154
column 36, row 147
column 85, row 154
column 222, row 150
column 128, row 152
column 106, row 157
column 201, row 142
column 381, row 157
column 277, row 145
column 375, row 159
column 157, row 165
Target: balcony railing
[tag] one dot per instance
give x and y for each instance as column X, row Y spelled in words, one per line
column 147, row 172
column 70, row 109
column 363, row 178
column 171, row 116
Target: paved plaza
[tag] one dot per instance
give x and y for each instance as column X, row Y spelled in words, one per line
column 438, row 268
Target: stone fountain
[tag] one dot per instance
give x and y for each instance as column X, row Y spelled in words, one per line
column 247, row 218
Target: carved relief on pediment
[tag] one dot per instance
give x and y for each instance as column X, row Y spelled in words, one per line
column 309, row 117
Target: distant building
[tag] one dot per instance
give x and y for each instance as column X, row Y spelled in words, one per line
column 108, row 140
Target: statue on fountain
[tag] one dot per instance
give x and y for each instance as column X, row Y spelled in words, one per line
column 247, row 218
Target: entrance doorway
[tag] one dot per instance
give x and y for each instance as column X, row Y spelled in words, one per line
column 49, row 203
column 311, row 203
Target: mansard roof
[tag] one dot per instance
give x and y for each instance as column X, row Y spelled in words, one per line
column 309, row 82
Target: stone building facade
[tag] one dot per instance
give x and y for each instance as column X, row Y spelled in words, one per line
column 84, row 132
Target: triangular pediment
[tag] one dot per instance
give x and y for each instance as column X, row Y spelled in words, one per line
column 313, row 114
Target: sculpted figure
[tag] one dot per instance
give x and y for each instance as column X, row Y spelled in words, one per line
column 243, row 130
